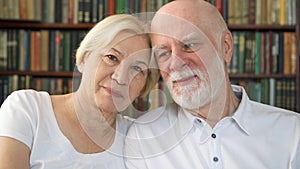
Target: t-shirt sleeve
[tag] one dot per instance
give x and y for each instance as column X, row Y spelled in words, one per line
column 16, row 117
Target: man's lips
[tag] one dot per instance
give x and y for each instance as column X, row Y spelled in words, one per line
column 112, row 92
column 184, row 80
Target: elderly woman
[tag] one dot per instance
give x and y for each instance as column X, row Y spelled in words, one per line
column 82, row 129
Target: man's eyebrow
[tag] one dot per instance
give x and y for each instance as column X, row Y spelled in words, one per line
column 158, row 47
column 191, row 36
column 141, row 62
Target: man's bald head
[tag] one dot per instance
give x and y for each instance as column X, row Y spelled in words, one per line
column 201, row 14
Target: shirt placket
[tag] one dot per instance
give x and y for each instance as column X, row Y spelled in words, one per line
column 216, row 153
column 209, row 138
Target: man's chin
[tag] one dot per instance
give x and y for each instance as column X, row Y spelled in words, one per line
column 190, row 99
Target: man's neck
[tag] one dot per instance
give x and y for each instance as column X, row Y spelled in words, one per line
column 219, row 107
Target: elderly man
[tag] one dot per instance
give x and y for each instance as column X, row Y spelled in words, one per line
column 212, row 124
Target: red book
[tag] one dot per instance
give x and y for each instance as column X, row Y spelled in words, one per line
column 219, row 6
column 111, row 7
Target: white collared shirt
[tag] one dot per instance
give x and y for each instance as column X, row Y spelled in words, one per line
column 255, row 136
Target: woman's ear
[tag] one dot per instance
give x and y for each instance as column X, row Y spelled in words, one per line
column 227, row 46
column 80, row 67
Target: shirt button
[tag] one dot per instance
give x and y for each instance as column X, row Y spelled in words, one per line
column 213, row 135
column 216, row 159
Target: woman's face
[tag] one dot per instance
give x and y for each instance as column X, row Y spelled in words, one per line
column 122, row 73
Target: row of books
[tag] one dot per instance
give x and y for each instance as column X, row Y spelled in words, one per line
column 237, row 12
column 77, row 11
column 38, row 50
column 158, row 96
column 73, row 11
column 263, row 53
column 276, row 92
column 11, row 83
column 53, row 50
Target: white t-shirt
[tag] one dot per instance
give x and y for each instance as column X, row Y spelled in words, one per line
column 255, row 136
column 27, row 116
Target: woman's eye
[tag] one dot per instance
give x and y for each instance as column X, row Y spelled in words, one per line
column 110, row 59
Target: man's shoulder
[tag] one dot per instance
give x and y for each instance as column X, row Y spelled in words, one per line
column 156, row 120
column 275, row 114
column 159, row 114
column 265, row 108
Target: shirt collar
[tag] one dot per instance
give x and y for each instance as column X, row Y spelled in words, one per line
column 241, row 116
column 185, row 120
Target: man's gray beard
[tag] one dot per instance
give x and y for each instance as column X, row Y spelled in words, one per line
column 193, row 95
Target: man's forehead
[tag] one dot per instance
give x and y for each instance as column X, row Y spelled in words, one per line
column 173, row 26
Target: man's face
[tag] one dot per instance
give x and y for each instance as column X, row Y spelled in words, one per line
column 189, row 61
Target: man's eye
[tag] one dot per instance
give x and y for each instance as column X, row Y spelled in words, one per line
column 110, row 59
column 163, row 53
column 137, row 68
column 191, row 47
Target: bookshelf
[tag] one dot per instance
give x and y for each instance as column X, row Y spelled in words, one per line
column 280, row 81
column 59, row 19
column 74, row 22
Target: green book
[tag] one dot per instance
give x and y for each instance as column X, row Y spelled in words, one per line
column 257, row 53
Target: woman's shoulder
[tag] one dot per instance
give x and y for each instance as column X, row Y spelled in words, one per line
column 26, row 99
column 27, row 94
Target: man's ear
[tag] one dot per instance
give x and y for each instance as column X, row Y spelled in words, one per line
column 227, row 46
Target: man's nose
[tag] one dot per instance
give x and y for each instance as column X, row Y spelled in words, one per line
column 177, row 61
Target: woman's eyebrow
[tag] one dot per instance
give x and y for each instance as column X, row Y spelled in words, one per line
column 117, row 51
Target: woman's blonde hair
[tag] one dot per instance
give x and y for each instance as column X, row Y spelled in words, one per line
column 103, row 34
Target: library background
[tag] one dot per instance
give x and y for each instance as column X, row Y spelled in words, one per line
column 38, row 40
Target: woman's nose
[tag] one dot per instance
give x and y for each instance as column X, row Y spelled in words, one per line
column 120, row 75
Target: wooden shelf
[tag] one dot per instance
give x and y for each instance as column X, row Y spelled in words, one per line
column 250, row 27
column 40, row 73
column 38, row 25
column 70, row 74
column 84, row 26
column 261, row 76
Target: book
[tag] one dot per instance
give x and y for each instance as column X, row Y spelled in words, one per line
column 287, row 53
column 22, row 50
column 241, row 53
column 44, row 52
column 3, row 49
column 257, row 52
column 293, row 53
column 275, row 52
